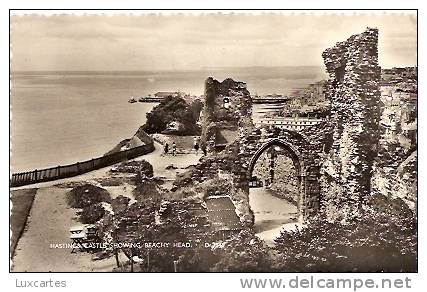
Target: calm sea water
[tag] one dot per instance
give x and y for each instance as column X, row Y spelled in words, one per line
column 59, row 118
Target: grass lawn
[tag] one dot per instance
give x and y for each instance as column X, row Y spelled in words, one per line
column 22, row 200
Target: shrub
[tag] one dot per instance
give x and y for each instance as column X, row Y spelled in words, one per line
column 243, row 253
column 143, row 167
column 147, row 190
column 120, row 204
column 395, row 206
column 86, row 195
column 92, row 214
column 371, row 243
column 144, row 171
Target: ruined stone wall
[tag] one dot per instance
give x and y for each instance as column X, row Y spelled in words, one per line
column 285, row 183
column 395, row 174
column 395, row 168
column 354, row 91
column 234, row 162
column 304, row 148
column 217, row 117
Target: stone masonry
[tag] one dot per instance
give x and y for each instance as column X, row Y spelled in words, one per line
column 228, row 107
column 355, row 94
column 304, row 151
column 332, row 160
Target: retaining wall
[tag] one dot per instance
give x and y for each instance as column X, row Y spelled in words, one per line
column 58, row 172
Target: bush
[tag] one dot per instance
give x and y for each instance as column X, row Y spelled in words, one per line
column 142, row 167
column 86, row 195
column 147, row 190
column 144, row 171
column 371, row 243
column 396, row 206
column 145, row 168
column 92, row 214
column 120, row 204
column 243, row 253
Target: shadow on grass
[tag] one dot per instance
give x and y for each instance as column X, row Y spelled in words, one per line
column 22, row 200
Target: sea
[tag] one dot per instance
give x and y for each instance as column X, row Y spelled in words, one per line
column 59, row 118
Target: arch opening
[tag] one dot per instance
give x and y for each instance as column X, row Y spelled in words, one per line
column 275, row 188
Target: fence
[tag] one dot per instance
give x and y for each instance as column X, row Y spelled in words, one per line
column 53, row 173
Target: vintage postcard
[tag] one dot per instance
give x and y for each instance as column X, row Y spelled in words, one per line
column 261, row 141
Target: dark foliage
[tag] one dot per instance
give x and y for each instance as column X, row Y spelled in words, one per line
column 145, row 168
column 371, row 243
column 243, row 253
column 86, row 195
column 147, row 189
column 120, row 204
column 142, row 167
column 395, row 207
column 178, row 224
column 174, row 109
column 144, row 171
column 92, row 214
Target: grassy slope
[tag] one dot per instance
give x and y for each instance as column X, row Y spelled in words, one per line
column 22, row 200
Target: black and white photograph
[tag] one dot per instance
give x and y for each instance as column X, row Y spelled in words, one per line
column 214, row 142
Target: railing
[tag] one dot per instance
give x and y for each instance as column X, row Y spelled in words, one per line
column 53, row 173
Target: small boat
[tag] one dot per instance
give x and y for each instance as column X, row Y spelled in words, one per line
column 132, row 100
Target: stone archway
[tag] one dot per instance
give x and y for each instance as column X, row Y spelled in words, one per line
column 305, row 153
column 292, row 151
column 297, row 161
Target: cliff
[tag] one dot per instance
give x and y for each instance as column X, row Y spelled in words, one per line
column 174, row 116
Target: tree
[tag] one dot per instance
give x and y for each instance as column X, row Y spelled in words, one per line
column 244, row 253
column 86, row 195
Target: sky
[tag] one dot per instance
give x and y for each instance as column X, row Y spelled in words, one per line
column 193, row 42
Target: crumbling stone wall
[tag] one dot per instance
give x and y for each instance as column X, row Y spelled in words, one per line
column 304, row 148
column 217, row 116
column 235, row 163
column 395, row 169
column 395, row 175
column 354, row 91
column 208, row 178
column 285, row 183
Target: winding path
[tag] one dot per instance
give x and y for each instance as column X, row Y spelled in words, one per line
column 271, row 214
column 50, row 219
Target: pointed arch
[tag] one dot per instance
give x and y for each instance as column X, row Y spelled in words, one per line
column 291, row 150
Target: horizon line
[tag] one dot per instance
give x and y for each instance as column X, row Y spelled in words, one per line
column 185, row 70
column 145, row 70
